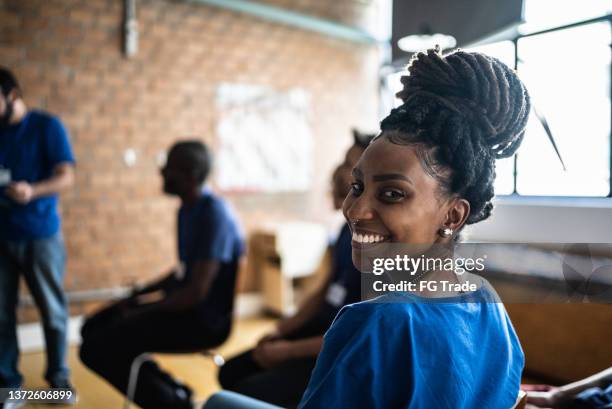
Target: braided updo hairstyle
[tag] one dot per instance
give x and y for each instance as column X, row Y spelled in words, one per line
column 463, row 111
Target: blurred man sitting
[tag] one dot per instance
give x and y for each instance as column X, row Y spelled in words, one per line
column 187, row 310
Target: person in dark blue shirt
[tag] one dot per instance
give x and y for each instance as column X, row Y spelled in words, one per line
column 278, row 368
column 36, row 163
column 191, row 308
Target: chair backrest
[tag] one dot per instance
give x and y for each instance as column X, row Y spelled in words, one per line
column 521, row 400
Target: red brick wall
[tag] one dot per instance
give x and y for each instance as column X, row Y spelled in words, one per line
column 67, row 55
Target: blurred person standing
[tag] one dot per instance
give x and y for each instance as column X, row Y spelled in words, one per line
column 36, row 163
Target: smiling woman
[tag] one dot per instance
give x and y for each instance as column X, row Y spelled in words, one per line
column 429, row 172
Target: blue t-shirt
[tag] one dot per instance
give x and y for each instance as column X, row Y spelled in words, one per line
column 399, row 351
column 31, row 149
column 209, row 230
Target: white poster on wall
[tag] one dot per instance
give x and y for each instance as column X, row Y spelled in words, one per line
column 265, row 141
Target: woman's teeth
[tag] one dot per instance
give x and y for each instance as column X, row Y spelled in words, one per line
column 367, row 238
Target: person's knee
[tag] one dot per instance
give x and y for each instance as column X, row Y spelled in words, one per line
column 235, row 370
column 228, row 376
column 95, row 325
column 224, row 379
column 89, row 353
column 86, row 328
column 84, row 352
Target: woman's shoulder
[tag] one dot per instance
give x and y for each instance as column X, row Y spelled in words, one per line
column 376, row 313
column 407, row 309
column 365, row 322
column 375, row 307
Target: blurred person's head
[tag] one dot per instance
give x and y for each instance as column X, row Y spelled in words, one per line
column 432, row 168
column 341, row 178
column 187, row 166
column 11, row 104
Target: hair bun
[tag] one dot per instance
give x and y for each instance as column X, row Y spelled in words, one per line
column 466, row 109
column 478, row 87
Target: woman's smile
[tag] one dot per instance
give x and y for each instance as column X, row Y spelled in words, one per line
column 363, row 238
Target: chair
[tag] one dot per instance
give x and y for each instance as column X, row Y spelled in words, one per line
column 521, row 400
column 217, row 359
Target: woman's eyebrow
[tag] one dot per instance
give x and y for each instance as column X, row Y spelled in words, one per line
column 391, row 176
column 357, row 174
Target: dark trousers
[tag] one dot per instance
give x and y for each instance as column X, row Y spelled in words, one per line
column 111, row 342
column 41, row 263
column 283, row 385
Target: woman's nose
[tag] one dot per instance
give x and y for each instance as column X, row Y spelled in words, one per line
column 359, row 208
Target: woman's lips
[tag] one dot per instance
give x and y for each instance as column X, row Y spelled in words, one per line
column 364, row 239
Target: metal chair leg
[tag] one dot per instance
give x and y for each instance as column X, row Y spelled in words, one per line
column 133, row 379
column 217, row 359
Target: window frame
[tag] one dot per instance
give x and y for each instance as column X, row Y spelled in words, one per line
column 515, row 41
column 606, row 201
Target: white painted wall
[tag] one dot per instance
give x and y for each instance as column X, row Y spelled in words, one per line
column 554, row 220
column 30, row 336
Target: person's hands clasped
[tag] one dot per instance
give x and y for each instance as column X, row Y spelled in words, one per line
column 122, row 308
column 270, row 336
column 20, row 192
column 272, row 353
column 140, row 304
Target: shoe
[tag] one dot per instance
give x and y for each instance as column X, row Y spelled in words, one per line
column 13, row 404
column 178, row 394
column 65, row 384
column 182, row 395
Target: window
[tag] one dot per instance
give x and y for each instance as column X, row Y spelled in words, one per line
column 545, row 14
column 567, row 71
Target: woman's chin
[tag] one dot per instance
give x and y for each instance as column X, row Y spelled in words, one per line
column 364, row 254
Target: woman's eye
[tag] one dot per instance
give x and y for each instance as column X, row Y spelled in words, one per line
column 392, row 195
column 356, row 188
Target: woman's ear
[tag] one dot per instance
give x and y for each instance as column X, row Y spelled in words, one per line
column 457, row 213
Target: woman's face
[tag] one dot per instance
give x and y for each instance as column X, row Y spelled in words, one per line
column 394, row 200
